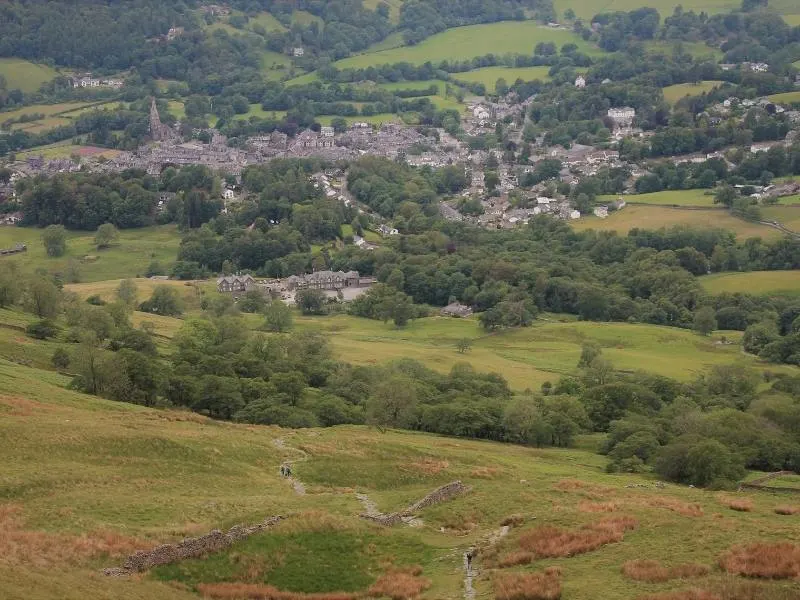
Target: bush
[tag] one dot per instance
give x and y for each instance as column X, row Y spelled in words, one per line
column 60, row 359
column 96, row 300
column 551, row 542
column 767, row 561
column 528, row 586
column 42, row 330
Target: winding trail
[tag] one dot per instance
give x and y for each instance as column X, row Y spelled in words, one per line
column 297, row 485
column 469, row 571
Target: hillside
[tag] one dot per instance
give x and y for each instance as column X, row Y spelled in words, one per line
column 86, row 481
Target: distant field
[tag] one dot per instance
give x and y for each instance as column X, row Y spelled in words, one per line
column 66, row 149
column 304, row 79
column 374, row 119
column 488, row 76
column 267, row 21
column 696, row 49
column 305, row 18
column 787, row 97
column 793, row 20
column 586, row 9
column 667, row 198
column 757, row 282
column 190, row 291
column 25, row 75
column 275, row 65
column 414, row 85
column 673, row 93
column 394, row 7
column 788, row 216
column 655, row 217
column 176, row 109
column 393, row 40
column 462, row 43
column 129, row 257
column 48, row 110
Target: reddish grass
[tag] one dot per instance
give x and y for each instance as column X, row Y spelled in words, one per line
column 429, row 466
column 787, row 510
column 766, row 561
column 687, row 509
column 682, row 595
column 528, row 586
column 42, row 549
column 512, row 521
column 589, row 490
column 550, row 541
column 598, row 507
column 251, row 591
column 738, row 504
column 728, row 590
column 485, row 472
column 651, row 571
column 512, row 559
column 400, row 584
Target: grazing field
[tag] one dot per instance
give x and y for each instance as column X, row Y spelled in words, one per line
column 393, row 40
column 304, row 17
column 25, row 75
column 667, row 198
column 88, row 481
column 414, row 85
column 488, row 76
column 793, row 20
column 48, row 110
column 788, row 216
column 462, row 43
column 128, row 257
column 757, row 282
column 696, row 49
column 304, row 79
column 786, row 98
column 673, row 93
column 586, row 9
column 267, row 21
column 655, row 217
column 394, row 7
column 372, row 119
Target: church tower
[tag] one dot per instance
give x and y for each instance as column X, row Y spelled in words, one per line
column 156, row 127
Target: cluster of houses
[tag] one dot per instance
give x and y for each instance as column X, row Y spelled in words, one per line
column 335, row 284
column 87, row 81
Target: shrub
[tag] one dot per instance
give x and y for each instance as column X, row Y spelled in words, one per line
column 42, row 330
column 548, row 542
column 687, row 509
column 738, row 504
column 400, row 584
column 651, row 571
column 60, row 359
column 787, row 510
column 528, row 586
column 512, row 559
column 95, row 300
column 767, row 561
column 513, row 521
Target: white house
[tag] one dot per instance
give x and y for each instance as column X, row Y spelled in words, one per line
column 623, row 116
column 575, row 214
column 601, row 212
column 385, row 230
column 580, row 82
column 326, row 131
column 298, row 52
column 227, row 194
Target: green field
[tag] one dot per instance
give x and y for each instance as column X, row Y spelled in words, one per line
column 55, row 115
column 130, row 256
column 673, row 93
column 696, row 49
column 267, row 21
column 394, row 7
column 788, row 216
column 48, row 110
column 372, row 120
column 303, row 79
column 667, row 198
column 655, row 217
column 758, row 282
column 462, row 43
column 786, row 98
column 25, row 75
column 488, row 76
column 586, row 9
column 304, row 17
column 87, row 481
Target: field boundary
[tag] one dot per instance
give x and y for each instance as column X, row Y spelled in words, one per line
column 756, row 484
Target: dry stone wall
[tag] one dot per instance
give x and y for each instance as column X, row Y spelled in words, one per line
column 442, row 494
column 189, row 548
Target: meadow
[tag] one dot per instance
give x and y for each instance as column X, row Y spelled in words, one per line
column 786, row 97
column 25, row 75
column 695, row 197
column 788, row 216
column 586, row 9
column 655, row 217
column 488, row 76
column 695, row 49
column 87, row 481
column 673, row 93
column 759, row 283
column 461, row 43
column 129, row 256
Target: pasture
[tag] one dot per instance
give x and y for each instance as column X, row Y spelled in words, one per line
column 788, row 216
column 673, row 93
column 87, row 481
column 695, row 49
column 25, row 75
column 655, row 217
column 761, row 283
column 462, row 43
column 786, row 98
column 586, row 9
column 53, row 115
column 128, row 257
column 488, row 76
column 667, row 198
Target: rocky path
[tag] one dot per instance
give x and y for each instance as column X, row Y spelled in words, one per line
column 297, row 485
column 470, row 572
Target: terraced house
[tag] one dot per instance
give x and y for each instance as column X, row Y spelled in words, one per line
column 324, row 280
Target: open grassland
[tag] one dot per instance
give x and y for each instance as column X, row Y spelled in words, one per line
column 673, row 93
column 758, row 282
column 695, row 49
column 462, row 43
column 25, row 75
column 667, row 198
column 655, row 217
column 48, row 110
column 788, row 216
column 488, row 76
column 786, row 98
column 86, row 481
column 793, row 20
column 303, row 17
column 267, row 21
column 586, row 9
column 372, row 119
column 128, row 257
column 54, row 115
column 67, row 149
column 394, row 7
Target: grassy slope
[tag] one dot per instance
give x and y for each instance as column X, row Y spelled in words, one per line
column 673, row 93
column 133, row 252
column 586, row 9
column 786, row 98
column 462, row 43
column 488, row 76
column 762, row 282
column 654, row 217
column 74, row 464
column 25, row 75
column 788, row 216
column 668, row 198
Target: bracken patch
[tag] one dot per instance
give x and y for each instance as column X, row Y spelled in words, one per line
column 400, row 584
column 598, row 507
column 787, row 510
column 247, row 591
column 429, row 466
column 737, row 504
column 528, row 586
column 518, row 557
column 687, row 509
column 651, row 571
column 728, row 590
column 548, row 541
column 768, row 561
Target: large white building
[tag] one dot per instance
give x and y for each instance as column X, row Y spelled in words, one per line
column 623, row 117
